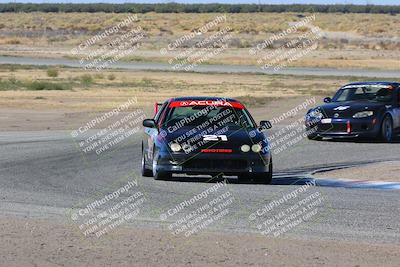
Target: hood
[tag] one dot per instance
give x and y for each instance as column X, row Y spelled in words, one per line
column 348, row 109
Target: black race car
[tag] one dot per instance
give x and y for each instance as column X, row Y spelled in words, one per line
column 358, row 110
column 205, row 136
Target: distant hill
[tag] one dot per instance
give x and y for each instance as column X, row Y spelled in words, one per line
column 196, row 8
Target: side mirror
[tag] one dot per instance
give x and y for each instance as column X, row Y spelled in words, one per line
column 150, row 123
column 264, row 125
column 327, row 99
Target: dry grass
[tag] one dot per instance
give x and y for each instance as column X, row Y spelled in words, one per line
column 248, row 29
column 103, row 93
column 351, row 40
column 177, row 24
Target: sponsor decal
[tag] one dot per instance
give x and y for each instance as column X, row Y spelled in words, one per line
column 212, row 137
column 341, row 108
column 216, row 150
column 390, row 87
column 218, row 103
column 329, row 120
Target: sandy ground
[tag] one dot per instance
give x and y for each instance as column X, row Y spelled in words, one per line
column 52, row 118
column 383, row 171
column 34, row 242
column 40, row 242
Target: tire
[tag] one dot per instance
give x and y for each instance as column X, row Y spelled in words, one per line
column 157, row 175
column 387, row 129
column 244, row 178
column 145, row 171
column 314, row 137
column 265, row 178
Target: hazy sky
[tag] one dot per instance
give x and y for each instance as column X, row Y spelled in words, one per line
column 360, row 2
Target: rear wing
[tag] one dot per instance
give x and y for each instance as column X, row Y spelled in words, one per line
column 157, row 106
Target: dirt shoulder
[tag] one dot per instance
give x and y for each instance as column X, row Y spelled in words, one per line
column 19, row 117
column 34, row 242
column 383, row 171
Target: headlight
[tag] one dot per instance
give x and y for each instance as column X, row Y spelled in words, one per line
column 363, row 114
column 315, row 113
column 175, row 147
column 245, row 148
column 256, row 148
column 186, row 147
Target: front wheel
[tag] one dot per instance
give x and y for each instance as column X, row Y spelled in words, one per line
column 159, row 175
column 265, row 178
column 387, row 130
column 145, row 171
column 314, row 137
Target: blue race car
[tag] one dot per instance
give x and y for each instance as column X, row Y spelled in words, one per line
column 205, row 136
column 358, row 110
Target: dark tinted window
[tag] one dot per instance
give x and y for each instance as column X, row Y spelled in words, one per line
column 201, row 115
column 374, row 93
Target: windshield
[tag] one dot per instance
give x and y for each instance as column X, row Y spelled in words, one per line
column 376, row 93
column 207, row 116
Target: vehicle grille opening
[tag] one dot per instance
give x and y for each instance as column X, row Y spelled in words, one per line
column 228, row 164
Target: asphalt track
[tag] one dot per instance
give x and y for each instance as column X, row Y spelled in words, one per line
column 370, row 73
column 44, row 174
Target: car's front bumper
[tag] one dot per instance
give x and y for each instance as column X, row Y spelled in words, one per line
column 345, row 128
column 214, row 163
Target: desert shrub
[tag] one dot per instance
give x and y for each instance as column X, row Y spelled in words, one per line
column 52, row 72
column 10, row 84
column 111, row 77
column 86, row 79
column 146, row 82
column 40, row 85
column 99, row 76
column 13, row 41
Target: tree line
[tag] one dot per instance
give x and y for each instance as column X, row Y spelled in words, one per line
column 195, row 8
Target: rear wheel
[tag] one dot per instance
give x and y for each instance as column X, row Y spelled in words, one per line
column 159, row 175
column 387, row 129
